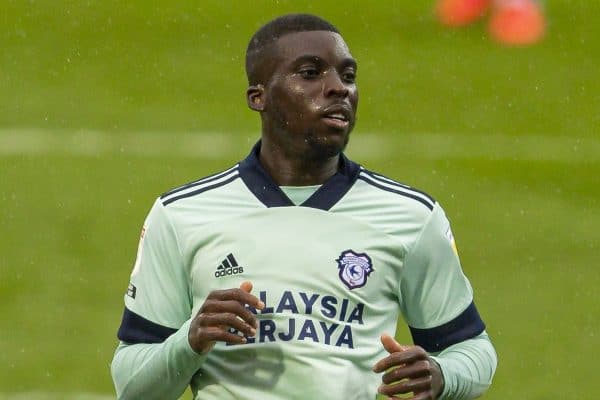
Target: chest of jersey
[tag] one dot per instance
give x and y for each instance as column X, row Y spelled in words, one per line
column 325, row 278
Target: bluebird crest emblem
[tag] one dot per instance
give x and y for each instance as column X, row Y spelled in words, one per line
column 354, row 268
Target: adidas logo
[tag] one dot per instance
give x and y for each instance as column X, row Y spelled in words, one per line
column 228, row 266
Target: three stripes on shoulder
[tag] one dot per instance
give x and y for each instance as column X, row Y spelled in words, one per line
column 201, row 185
column 392, row 186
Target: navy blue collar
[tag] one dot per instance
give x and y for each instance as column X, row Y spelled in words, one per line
column 268, row 192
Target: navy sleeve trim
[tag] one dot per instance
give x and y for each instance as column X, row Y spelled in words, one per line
column 137, row 329
column 466, row 326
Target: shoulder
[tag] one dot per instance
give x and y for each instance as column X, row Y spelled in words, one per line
column 396, row 191
column 199, row 186
column 387, row 205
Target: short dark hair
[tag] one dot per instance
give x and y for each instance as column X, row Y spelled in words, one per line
column 273, row 30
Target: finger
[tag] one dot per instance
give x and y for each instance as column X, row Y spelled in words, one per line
column 391, row 345
column 237, row 295
column 415, row 386
column 229, row 306
column 419, row 385
column 216, row 334
column 415, row 370
column 246, row 286
column 394, row 389
column 227, row 320
column 408, row 356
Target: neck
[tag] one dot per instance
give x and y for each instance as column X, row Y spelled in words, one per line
column 289, row 168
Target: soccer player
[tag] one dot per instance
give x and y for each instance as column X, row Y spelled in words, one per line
column 279, row 277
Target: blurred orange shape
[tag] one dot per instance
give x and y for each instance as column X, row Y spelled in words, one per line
column 517, row 22
column 460, row 12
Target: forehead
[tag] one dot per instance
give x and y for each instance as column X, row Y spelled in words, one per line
column 324, row 44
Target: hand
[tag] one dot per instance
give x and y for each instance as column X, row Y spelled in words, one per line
column 409, row 369
column 222, row 310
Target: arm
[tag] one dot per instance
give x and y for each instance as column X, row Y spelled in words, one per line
column 163, row 370
column 453, row 357
column 161, row 346
column 155, row 370
column 468, row 368
column 154, row 359
column 462, row 371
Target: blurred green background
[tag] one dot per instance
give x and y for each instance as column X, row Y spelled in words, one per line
column 106, row 104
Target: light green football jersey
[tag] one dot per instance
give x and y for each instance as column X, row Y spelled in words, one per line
column 335, row 273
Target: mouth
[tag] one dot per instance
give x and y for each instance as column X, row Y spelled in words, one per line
column 337, row 116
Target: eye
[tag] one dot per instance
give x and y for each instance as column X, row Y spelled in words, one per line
column 309, row 73
column 349, row 76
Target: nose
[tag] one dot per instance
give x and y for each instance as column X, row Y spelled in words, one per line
column 334, row 85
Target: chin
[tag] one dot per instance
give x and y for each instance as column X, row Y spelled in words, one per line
column 327, row 146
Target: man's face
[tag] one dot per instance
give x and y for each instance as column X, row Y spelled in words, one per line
column 311, row 97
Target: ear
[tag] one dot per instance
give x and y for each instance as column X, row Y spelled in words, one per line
column 255, row 96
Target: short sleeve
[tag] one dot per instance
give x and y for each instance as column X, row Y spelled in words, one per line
column 436, row 296
column 158, row 298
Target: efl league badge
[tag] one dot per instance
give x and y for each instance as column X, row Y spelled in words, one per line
column 354, row 268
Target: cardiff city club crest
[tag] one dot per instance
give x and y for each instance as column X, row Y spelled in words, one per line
column 354, row 268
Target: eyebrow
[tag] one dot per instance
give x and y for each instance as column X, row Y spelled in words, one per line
column 346, row 62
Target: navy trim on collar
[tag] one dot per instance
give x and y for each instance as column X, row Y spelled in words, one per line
column 268, row 192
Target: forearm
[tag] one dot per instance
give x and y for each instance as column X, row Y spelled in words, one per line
column 468, row 368
column 155, row 371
